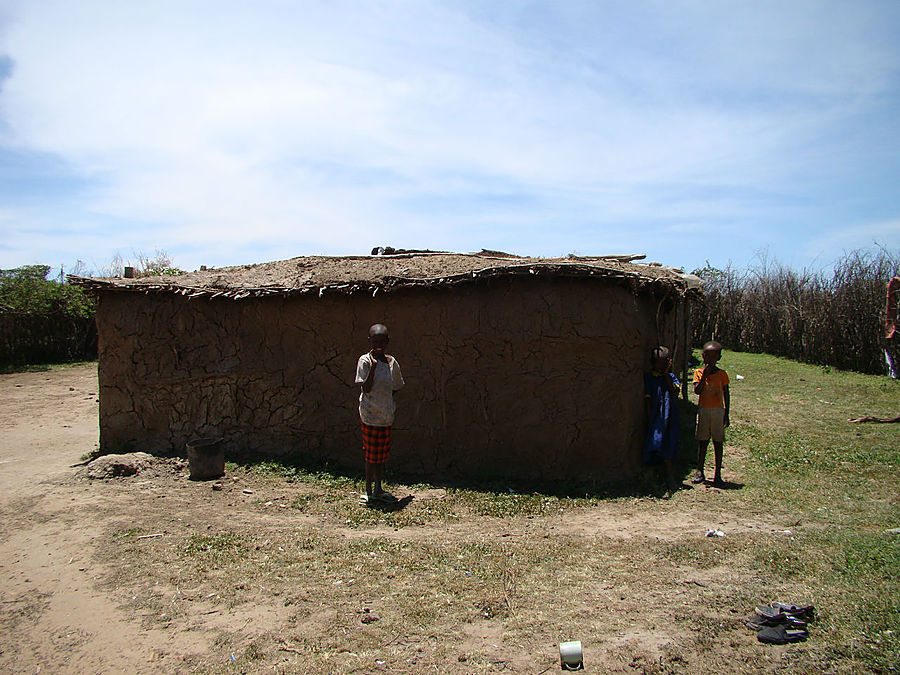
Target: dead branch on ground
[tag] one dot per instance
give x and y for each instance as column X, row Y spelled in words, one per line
column 885, row 420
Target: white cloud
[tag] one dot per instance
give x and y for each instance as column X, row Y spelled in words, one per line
column 318, row 124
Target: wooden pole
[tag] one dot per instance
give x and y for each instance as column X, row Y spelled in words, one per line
column 686, row 341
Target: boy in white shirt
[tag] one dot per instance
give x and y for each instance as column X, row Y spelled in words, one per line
column 378, row 375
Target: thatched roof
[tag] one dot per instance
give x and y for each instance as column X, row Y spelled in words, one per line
column 377, row 273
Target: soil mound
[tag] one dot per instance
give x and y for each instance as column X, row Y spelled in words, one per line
column 114, row 466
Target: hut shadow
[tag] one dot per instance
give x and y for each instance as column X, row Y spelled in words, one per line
column 296, row 466
column 647, row 482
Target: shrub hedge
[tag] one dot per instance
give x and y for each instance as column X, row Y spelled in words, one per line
column 42, row 321
column 827, row 318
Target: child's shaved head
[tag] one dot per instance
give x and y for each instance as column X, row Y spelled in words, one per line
column 712, row 346
column 378, row 329
column 659, row 353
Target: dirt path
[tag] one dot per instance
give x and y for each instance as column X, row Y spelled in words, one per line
column 53, row 618
column 70, row 605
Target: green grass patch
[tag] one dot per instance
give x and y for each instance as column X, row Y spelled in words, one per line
column 793, row 419
column 7, row 369
column 839, row 478
column 216, row 549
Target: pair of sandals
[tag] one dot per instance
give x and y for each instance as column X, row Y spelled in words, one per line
column 781, row 622
column 381, row 498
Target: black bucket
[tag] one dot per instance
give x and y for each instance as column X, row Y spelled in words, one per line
column 206, row 458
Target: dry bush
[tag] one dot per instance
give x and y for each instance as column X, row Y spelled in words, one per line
column 832, row 319
column 144, row 265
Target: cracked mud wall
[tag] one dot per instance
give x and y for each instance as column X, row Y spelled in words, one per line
column 519, row 378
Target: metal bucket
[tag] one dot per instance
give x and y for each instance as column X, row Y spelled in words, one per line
column 206, row 458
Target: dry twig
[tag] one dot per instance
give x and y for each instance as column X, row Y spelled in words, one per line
column 887, row 420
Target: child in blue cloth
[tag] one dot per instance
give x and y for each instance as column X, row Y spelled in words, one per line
column 661, row 389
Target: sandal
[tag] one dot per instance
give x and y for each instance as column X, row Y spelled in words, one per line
column 698, row 478
column 757, row 622
column 781, row 635
column 769, row 612
column 767, row 618
column 802, row 612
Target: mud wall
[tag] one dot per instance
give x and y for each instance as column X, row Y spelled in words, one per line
column 518, row 378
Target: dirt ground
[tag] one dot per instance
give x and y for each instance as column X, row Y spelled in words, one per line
column 69, row 607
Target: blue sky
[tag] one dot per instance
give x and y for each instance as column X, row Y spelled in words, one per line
column 233, row 132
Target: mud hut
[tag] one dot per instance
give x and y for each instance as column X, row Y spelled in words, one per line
column 516, row 367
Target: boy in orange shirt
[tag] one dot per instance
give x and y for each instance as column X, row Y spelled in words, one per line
column 711, row 385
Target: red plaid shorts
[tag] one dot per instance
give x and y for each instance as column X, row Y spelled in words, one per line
column 376, row 443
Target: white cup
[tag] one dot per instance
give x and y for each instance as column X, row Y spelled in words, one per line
column 570, row 655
